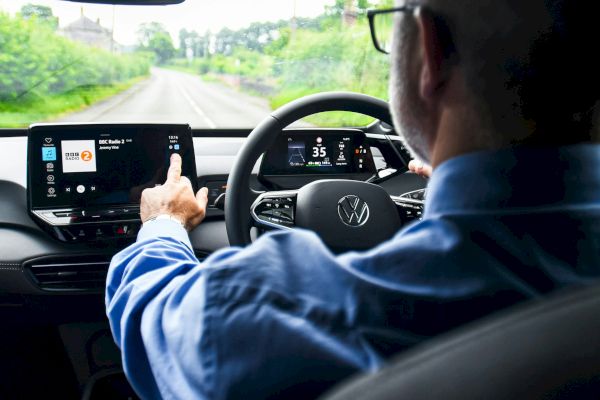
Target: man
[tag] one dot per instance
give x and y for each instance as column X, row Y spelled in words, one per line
column 500, row 98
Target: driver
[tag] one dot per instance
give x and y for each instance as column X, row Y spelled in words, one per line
column 500, row 97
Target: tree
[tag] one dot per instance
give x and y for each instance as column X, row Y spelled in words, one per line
column 41, row 13
column 363, row 6
column 202, row 45
column 348, row 10
column 153, row 36
column 194, row 42
column 162, row 45
column 225, row 41
column 147, row 30
column 184, row 36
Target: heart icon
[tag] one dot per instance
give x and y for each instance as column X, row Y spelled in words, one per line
column 48, row 140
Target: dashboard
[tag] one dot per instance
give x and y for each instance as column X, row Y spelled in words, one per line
column 36, row 260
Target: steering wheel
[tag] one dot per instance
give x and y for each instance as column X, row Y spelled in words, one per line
column 346, row 214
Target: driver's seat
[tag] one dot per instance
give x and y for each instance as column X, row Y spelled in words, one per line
column 550, row 349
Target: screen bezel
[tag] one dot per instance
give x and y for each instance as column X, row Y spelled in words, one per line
column 92, row 130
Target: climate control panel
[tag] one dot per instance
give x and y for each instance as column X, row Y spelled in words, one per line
column 82, row 225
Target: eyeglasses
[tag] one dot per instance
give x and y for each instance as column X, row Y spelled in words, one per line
column 381, row 23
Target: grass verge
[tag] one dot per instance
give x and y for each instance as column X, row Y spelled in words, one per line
column 23, row 113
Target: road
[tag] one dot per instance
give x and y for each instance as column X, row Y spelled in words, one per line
column 177, row 97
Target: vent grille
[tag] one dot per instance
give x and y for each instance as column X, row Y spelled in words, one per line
column 74, row 276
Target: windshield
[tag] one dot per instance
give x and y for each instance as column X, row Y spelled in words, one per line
column 209, row 63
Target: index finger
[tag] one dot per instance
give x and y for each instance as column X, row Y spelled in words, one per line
column 174, row 173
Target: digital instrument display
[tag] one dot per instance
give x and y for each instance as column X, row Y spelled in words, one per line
column 105, row 164
column 316, row 152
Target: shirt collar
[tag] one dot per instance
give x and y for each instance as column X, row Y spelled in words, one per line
column 515, row 178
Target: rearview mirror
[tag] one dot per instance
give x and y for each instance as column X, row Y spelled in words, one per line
column 131, row 2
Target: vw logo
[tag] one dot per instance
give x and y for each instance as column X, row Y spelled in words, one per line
column 353, row 210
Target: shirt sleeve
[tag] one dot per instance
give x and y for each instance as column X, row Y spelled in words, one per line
column 136, row 276
column 164, row 228
column 239, row 325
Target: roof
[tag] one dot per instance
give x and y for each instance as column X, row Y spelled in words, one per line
column 86, row 24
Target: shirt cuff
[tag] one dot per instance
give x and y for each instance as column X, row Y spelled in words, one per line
column 164, row 228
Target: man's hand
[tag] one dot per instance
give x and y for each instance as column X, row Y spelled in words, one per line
column 175, row 198
column 419, row 168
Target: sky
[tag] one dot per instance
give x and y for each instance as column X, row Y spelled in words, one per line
column 198, row 15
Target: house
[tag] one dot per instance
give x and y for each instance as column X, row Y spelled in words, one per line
column 91, row 33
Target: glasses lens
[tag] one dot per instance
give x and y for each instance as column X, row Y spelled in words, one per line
column 384, row 25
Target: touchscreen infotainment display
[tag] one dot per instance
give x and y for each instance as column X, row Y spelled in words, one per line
column 104, row 164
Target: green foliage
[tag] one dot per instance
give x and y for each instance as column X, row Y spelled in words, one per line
column 37, row 64
column 348, row 6
column 339, row 58
column 161, row 44
column 153, row 37
column 192, row 43
column 40, row 13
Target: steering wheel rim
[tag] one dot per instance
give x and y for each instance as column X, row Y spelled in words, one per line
column 239, row 194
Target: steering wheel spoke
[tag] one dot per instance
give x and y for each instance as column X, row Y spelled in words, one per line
column 274, row 210
column 410, row 205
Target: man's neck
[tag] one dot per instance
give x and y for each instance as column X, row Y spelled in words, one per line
column 455, row 138
column 461, row 131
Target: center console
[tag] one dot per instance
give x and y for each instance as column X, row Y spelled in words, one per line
column 85, row 180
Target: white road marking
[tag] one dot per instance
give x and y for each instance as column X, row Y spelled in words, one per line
column 195, row 107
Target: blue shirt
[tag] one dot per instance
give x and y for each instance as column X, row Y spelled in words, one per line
column 284, row 317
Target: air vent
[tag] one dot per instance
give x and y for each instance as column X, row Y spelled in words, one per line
column 70, row 276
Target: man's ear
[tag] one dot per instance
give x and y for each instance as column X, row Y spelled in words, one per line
column 434, row 71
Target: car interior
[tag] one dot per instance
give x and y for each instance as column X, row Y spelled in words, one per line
column 69, row 201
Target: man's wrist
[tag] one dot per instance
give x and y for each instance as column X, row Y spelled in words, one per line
column 168, row 217
column 164, row 227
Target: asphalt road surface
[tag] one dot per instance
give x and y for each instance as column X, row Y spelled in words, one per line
column 176, row 97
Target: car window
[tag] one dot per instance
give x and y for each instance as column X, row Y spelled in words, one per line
column 212, row 63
